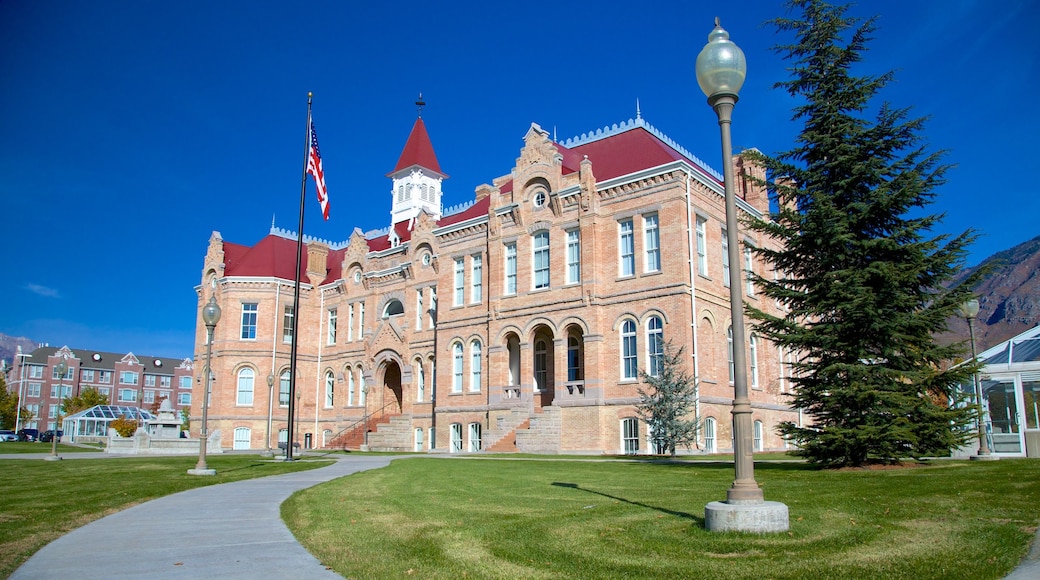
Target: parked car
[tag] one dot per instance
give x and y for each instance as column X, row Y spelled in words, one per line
column 8, row 435
column 28, row 435
column 48, row 435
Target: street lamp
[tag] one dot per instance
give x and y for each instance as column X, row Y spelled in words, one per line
column 299, row 396
column 210, row 317
column 270, row 411
column 720, row 73
column 364, row 398
column 969, row 310
column 62, row 368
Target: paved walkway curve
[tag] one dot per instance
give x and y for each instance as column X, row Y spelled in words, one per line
column 232, row 530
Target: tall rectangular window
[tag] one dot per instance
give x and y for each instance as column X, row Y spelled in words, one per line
column 573, row 256
column 540, row 263
column 287, row 324
column 350, row 322
column 418, row 309
column 702, row 246
column 725, row 258
column 748, row 265
column 460, row 280
column 249, row 310
column 626, row 248
column 456, row 368
column 331, row 339
column 652, row 243
column 511, row 268
column 476, row 268
column 629, row 362
column 361, row 321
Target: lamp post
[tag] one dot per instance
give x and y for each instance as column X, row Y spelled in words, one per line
column 720, row 73
column 210, row 317
column 969, row 310
column 62, row 368
column 270, row 412
column 296, row 440
column 364, row 398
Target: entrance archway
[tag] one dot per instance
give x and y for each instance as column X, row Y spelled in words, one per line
column 392, row 394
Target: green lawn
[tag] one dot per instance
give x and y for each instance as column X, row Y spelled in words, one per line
column 21, row 447
column 41, row 500
column 509, row 518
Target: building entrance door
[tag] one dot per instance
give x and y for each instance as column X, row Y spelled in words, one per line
column 1003, row 401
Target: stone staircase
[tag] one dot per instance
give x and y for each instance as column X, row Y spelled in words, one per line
column 395, row 435
column 543, row 434
column 502, row 436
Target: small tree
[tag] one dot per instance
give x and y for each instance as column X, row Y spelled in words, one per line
column 185, row 419
column 87, row 398
column 665, row 406
column 125, row 426
column 8, row 406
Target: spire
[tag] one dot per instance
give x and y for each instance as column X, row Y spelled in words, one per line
column 420, row 104
column 638, row 114
column 418, row 150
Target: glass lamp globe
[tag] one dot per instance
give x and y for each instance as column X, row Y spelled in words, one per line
column 211, row 312
column 721, row 66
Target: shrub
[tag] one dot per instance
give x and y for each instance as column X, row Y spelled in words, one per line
column 125, row 426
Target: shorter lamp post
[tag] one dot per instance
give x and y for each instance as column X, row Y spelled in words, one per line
column 62, row 368
column 364, row 397
column 969, row 310
column 210, row 317
column 270, row 412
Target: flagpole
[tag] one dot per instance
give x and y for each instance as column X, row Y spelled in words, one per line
column 296, row 287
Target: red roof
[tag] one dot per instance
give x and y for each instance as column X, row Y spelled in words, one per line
column 626, row 153
column 274, row 256
column 418, row 150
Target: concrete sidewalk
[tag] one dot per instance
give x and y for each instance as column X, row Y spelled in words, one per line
column 231, row 530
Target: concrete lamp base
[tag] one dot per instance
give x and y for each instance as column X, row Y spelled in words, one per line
column 195, row 471
column 757, row 517
column 52, row 458
column 984, row 457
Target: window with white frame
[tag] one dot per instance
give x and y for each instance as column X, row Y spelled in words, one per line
column 35, row 372
column 418, row 439
column 725, row 258
column 149, row 380
column 626, row 248
column 105, row 377
column 475, row 356
column 351, row 387
column 510, row 268
column 709, row 435
column 165, row 381
column 87, row 375
column 34, row 390
column 460, row 281
column 330, row 386
column 149, row 396
column 758, row 435
column 418, row 309
column 748, row 269
column 729, row 352
column 629, row 357
column 476, row 272
column 283, row 389
column 456, row 367
column 540, row 259
column 420, row 381
column 245, row 387
column 655, row 345
column 575, row 372
column 249, row 312
column 361, row 321
column 651, row 243
column 69, row 373
column 393, row 307
column 326, row 437
column 475, row 443
column 330, row 337
column 184, row 399
column 702, row 246
column 52, row 411
column 104, row 391
column 350, row 322
column 456, row 438
column 573, row 256
column 630, row 435
column 287, row 324
column 753, row 359
column 541, row 366
column 362, row 387
column 243, row 435
column 127, row 395
column 127, row 378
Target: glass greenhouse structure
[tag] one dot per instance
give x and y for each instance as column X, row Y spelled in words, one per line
column 91, row 424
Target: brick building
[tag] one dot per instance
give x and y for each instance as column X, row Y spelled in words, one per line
column 517, row 321
column 124, row 378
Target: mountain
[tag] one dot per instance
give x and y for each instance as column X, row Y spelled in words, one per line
column 1009, row 296
column 9, row 345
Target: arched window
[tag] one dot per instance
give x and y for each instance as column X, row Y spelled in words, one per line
column 474, row 437
column 420, row 381
column 351, row 387
column 629, row 367
column 630, row 435
column 513, row 346
column 245, row 386
column 575, row 370
column 362, row 386
column 393, row 307
column 540, row 260
column 456, row 369
column 242, row 438
column 475, row 355
column 753, row 359
column 283, row 389
column 654, row 345
column 541, row 368
column 326, row 437
column 709, row 435
column 758, row 435
column 330, row 385
column 729, row 348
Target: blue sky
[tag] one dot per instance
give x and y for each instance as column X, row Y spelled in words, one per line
column 130, row 130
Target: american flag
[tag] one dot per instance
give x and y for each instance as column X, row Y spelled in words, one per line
column 314, row 168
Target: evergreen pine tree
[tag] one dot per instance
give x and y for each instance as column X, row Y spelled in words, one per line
column 861, row 281
column 666, row 405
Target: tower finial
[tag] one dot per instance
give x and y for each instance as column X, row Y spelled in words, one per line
column 420, row 104
column 638, row 114
column 272, row 222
